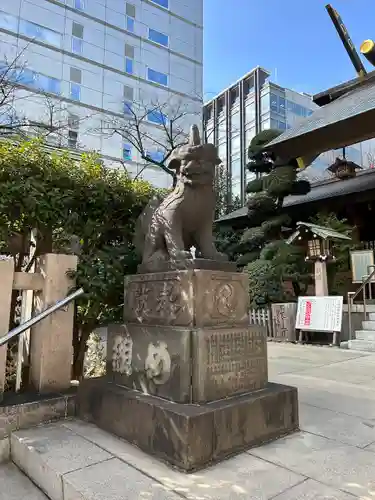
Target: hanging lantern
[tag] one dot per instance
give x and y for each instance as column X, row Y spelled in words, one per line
column 319, row 249
column 317, row 240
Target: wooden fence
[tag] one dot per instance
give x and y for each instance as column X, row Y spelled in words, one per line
column 47, row 349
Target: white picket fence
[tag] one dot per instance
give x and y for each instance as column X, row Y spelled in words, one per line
column 261, row 317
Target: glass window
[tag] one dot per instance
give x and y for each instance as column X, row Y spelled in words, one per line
column 157, row 77
column 236, row 168
column 127, row 108
column 236, row 178
column 130, row 10
column 156, row 155
column 222, row 131
column 265, row 103
column 128, row 93
column 250, row 112
column 8, row 22
column 130, row 24
column 236, row 144
column 281, row 105
column 73, row 121
column 129, row 51
column 310, row 112
column 72, row 139
column 222, row 152
column 235, row 123
column 155, row 116
column 75, row 91
column 249, row 86
column 282, row 125
column 40, row 33
column 79, row 4
column 48, row 84
column 127, row 152
column 266, row 125
column 77, row 45
column 77, row 30
column 25, row 76
column 157, row 37
column 129, row 65
column 249, row 134
column 274, row 123
column 274, row 103
column 75, row 75
column 162, row 3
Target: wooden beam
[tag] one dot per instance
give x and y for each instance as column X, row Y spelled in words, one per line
column 28, row 281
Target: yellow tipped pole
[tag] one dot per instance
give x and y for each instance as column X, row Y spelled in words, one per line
column 368, row 50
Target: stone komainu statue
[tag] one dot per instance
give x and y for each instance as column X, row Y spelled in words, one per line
column 168, row 228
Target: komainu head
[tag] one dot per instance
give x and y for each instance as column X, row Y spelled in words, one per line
column 195, row 163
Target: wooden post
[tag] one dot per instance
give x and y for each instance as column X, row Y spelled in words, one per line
column 321, row 283
column 6, row 287
column 51, row 340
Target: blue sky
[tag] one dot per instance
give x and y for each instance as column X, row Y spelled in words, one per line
column 293, row 39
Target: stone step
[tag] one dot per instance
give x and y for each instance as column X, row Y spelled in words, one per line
column 368, row 335
column 361, row 345
column 16, row 486
column 368, row 325
column 66, row 466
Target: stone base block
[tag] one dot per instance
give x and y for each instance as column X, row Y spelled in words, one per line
column 190, row 437
column 185, row 365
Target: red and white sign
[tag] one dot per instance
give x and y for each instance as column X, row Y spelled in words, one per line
column 319, row 314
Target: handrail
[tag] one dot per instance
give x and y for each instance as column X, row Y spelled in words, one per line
column 38, row 317
column 364, row 283
column 352, row 295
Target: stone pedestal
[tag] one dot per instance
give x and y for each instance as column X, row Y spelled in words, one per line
column 186, row 374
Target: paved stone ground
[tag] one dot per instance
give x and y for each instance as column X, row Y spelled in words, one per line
column 333, row 457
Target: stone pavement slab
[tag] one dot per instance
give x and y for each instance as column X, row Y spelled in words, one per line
column 46, row 453
column 344, row 428
column 113, row 480
column 242, row 477
column 16, row 486
column 351, row 399
column 340, row 466
column 312, row 490
column 332, row 458
column 354, row 371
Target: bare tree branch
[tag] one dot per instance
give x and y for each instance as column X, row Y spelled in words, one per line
column 154, row 130
column 54, row 122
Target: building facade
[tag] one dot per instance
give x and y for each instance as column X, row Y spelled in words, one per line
column 251, row 105
column 99, row 60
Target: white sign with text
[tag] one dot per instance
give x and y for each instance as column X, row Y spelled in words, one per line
column 320, row 314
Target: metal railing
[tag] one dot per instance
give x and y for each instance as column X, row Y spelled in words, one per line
column 366, row 282
column 38, row 317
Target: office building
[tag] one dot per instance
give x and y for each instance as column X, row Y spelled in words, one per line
column 97, row 59
column 251, row 105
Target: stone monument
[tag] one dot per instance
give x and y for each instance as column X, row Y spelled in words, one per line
column 186, row 375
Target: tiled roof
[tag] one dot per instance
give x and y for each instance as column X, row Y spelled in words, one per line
column 344, row 121
column 330, row 189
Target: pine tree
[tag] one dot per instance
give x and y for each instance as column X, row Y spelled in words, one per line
column 262, row 247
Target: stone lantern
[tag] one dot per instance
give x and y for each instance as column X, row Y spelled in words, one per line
column 318, row 243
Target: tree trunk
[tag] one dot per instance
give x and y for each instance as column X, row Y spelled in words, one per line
column 296, row 288
column 80, row 351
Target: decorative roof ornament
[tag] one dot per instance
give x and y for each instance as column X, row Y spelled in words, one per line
column 344, row 169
